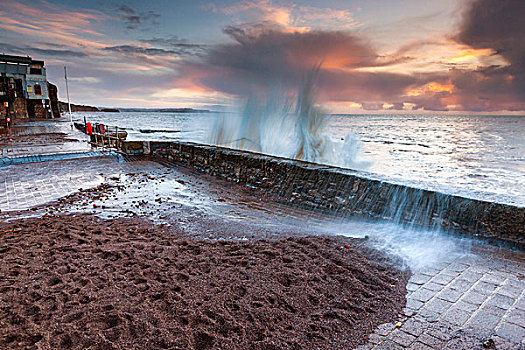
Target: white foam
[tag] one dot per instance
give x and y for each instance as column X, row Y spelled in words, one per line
column 272, row 123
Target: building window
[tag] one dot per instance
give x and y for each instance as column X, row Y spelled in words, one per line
column 37, row 71
column 38, row 89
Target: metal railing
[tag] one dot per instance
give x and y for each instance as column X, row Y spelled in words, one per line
column 108, row 139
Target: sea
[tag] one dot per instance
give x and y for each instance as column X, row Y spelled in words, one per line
column 474, row 156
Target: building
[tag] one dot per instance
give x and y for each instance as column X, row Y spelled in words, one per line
column 24, row 90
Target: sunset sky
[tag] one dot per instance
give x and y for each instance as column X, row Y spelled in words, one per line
column 374, row 55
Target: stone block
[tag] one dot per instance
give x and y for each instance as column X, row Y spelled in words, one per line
column 500, row 301
column 422, row 294
column 456, row 317
column 401, row 338
column 460, row 285
column 430, row 341
column 516, row 316
column 415, row 326
column 388, row 345
column 512, row 332
column 438, row 305
column 450, row 295
column 474, row 298
column 485, row 319
column 484, row 288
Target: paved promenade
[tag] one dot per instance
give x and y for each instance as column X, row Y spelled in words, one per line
column 461, row 305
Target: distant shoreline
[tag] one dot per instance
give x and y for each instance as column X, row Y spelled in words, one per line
column 85, row 108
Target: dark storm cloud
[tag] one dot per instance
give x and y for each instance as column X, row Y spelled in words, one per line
column 267, row 56
column 500, row 26
column 133, row 19
column 497, row 25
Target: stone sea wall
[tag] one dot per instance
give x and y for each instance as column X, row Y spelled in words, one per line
column 345, row 192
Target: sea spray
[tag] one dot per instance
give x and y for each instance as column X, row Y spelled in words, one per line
column 288, row 126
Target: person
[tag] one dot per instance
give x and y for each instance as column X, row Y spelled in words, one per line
column 8, row 124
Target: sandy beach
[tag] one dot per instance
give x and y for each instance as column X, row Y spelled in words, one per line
column 77, row 281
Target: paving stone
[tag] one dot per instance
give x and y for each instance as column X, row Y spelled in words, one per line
column 484, row 288
column 385, row 329
column 468, row 337
column 516, row 316
column 458, row 266
column 494, row 310
column 430, row 341
column 412, row 287
column 388, row 345
column 494, row 278
column 414, row 304
column 520, row 304
column 438, row 305
column 511, row 332
column 479, row 268
column 401, row 338
column 419, row 278
column 443, row 279
column 428, row 315
column 415, row 326
column 423, row 294
column 510, row 291
column 450, row 295
column 460, row 285
column 470, row 276
column 474, row 298
column 456, row 317
column 433, row 286
column 460, row 305
column 419, row 346
column 441, row 330
column 448, row 271
column 409, row 312
column 501, row 301
column 485, row 319
column 429, row 271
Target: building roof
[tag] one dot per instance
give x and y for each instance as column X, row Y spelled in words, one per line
column 19, row 59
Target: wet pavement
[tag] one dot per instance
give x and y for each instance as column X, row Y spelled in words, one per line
column 462, row 293
column 32, row 138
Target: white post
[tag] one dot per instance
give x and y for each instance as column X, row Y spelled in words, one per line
column 68, row 104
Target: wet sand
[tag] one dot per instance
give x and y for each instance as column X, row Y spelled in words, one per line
column 77, row 281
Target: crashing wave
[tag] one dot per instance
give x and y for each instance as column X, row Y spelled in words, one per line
column 275, row 125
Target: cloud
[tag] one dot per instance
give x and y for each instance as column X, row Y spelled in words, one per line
column 174, row 43
column 133, row 19
column 158, row 52
column 263, row 56
column 497, row 26
column 480, row 68
column 44, row 52
column 291, row 18
column 52, row 24
column 138, row 50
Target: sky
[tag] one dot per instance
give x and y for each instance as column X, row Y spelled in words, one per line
column 380, row 56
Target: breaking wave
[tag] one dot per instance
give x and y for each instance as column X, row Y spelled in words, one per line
column 288, row 126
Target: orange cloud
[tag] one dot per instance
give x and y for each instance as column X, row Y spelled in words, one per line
column 430, row 88
column 51, row 23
